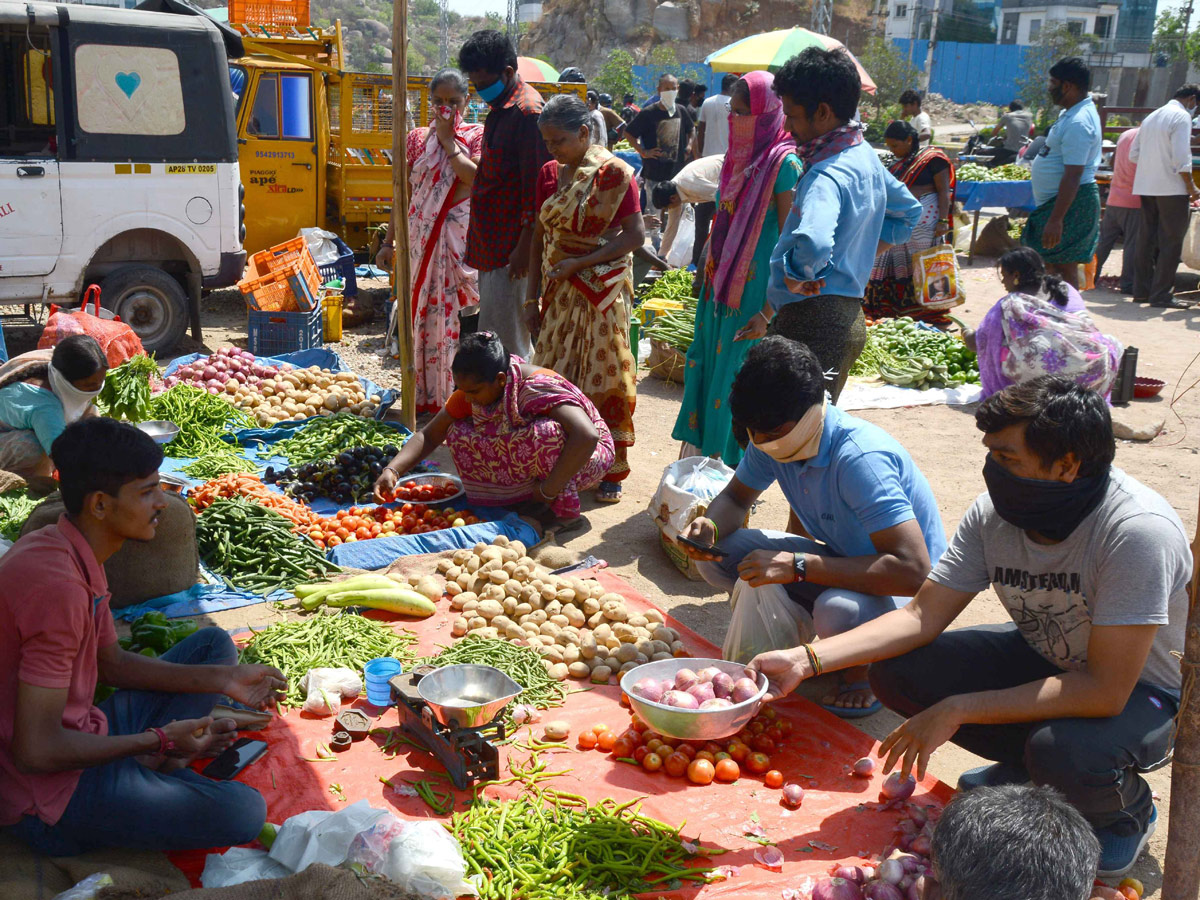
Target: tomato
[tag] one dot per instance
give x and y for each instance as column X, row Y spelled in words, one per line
column 605, row 740
column 774, row 779
column 653, row 745
column 587, row 740
column 758, row 763
column 622, row 749
column 375, row 530
column 717, row 757
column 768, row 712
column 408, row 523
column 341, row 514
column 713, row 747
column 640, row 753
column 705, row 755
column 756, row 727
column 637, row 723
column 738, row 751
column 389, row 527
column 676, row 764
column 430, row 515
column 410, row 485
column 457, row 523
column 335, row 541
column 343, row 533
column 1132, row 883
column 596, row 729
column 687, row 750
column 651, row 762
column 1129, row 893
column 775, row 734
column 632, row 735
column 701, row 771
column 763, row 744
column 727, row 770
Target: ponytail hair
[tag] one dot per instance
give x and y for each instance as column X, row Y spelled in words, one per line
column 1027, row 265
column 481, row 355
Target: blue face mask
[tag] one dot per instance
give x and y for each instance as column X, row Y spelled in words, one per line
column 490, row 93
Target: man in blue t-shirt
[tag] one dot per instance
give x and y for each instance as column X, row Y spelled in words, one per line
column 852, row 487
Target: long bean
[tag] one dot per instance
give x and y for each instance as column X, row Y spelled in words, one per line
column 202, row 419
column 325, row 438
column 212, row 465
column 347, row 640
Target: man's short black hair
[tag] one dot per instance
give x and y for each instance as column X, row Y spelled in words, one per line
column 728, row 81
column 1187, row 90
column 661, row 194
column 1062, row 417
column 686, row 88
column 98, row 454
column 910, row 97
column 628, row 98
column 779, row 381
column 1072, row 70
column 1015, row 105
column 487, row 51
column 994, row 843
column 815, row 76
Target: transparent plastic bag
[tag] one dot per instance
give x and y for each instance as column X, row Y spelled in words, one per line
column 327, row 688
column 764, row 619
column 680, row 254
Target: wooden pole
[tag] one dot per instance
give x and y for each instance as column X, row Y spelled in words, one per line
column 402, row 283
column 1181, row 867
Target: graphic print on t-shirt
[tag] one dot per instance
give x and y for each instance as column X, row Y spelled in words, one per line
column 668, row 135
column 1050, row 610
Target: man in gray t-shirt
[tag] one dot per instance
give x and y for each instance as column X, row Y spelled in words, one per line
column 1079, row 690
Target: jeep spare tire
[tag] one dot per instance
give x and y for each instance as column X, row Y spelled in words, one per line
column 150, row 302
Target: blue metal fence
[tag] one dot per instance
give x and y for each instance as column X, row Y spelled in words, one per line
column 969, row 73
column 645, row 78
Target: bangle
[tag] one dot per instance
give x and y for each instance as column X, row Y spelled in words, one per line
column 544, row 496
column 164, row 743
column 813, row 660
column 716, row 537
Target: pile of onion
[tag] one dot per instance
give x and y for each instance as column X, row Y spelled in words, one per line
column 213, row 373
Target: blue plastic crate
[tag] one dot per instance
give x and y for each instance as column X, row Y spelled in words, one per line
column 273, row 333
column 343, row 268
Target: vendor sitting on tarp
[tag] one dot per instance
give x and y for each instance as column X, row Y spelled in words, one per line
column 41, row 393
column 74, row 776
column 519, row 434
column 852, row 487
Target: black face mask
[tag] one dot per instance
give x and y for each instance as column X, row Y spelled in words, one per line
column 1053, row 509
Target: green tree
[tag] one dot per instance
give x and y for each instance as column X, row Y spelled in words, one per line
column 1054, row 42
column 892, row 72
column 616, row 75
column 663, row 56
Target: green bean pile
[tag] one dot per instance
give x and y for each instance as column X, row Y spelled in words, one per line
column 343, row 641
column 674, row 284
column 906, row 355
column 254, row 548
column 15, row 508
column 213, row 465
column 521, row 664
column 202, row 419
column 126, row 391
column 325, row 438
column 554, row 846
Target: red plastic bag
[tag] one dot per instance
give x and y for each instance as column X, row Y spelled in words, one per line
column 118, row 341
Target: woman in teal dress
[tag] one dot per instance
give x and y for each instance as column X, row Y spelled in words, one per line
column 755, row 195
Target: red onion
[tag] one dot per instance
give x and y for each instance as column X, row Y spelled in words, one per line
column 836, row 889
column 743, row 689
column 916, row 890
column 850, row 873
column 717, row 703
column 891, row 871
column 650, row 689
column 882, row 890
column 680, row 699
column 905, row 841
column 898, row 787
column 708, row 673
column 684, row 679
column 793, row 795
column 209, row 372
column 910, row 863
column 921, row 845
column 702, row 691
column 213, row 391
column 906, row 882
column 722, row 684
column 906, row 826
column 864, row 768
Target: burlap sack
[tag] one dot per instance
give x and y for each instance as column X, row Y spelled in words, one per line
column 318, row 882
column 141, row 571
column 25, row 875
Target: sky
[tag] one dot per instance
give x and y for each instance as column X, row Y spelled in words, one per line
column 480, row 7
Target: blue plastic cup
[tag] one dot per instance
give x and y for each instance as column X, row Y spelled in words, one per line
column 376, row 674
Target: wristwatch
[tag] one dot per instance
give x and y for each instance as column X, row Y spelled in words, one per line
column 798, row 565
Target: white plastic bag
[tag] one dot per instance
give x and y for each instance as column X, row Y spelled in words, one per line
column 237, row 865
column 322, row 245
column 1191, row 242
column 685, row 490
column 680, row 254
column 764, row 618
column 427, row 860
column 327, row 688
column 88, row 888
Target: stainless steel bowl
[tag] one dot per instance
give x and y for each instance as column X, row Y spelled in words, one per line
column 162, row 431
column 467, row 696
column 691, row 724
column 441, row 480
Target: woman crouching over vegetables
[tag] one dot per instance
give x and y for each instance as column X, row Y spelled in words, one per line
column 518, row 434
column 41, row 393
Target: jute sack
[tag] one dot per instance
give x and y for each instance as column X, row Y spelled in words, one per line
column 317, row 882
column 141, row 571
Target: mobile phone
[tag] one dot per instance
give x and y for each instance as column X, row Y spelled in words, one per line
column 703, row 548
column 233, row 760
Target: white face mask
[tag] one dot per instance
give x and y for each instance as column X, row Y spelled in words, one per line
column 74, row 401
column 667, row 99
column 802, row 442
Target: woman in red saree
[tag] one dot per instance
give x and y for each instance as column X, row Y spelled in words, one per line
column 929, row 175
column 580, row 273
column 443, row 159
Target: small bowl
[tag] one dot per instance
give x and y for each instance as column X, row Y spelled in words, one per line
column 161, row 431
column 172, row 483
column 1147, row 387
column 353, row 723
column 691, row 724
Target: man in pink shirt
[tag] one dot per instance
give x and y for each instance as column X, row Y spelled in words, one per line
column 1122, row 215
column 73, row 776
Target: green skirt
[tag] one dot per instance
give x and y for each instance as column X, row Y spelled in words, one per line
column 1081, row 228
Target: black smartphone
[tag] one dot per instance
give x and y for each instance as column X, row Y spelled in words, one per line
column 233, row 760
column 703, row 548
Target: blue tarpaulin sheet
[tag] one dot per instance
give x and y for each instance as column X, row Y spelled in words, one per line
column 198, row 600
column 975, row 195
column 380, row 552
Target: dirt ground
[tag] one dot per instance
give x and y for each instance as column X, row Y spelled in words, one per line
column 942, row 440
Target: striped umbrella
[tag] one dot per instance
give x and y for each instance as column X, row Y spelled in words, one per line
column 531, row 69
column 771, row 49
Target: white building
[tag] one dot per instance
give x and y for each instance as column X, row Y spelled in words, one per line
column 910, row 18
column 1022, row 20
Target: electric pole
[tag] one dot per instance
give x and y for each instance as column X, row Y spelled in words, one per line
column 925, row 75
column 514, row 29
column 875, row 16
column 444, row 24
column 822, row 16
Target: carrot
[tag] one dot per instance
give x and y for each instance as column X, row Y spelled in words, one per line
column 251, row 488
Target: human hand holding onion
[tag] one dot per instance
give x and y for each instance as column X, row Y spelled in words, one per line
column 784, row 669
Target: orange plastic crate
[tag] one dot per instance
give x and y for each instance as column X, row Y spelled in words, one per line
column 282, row 279
column 269, row 12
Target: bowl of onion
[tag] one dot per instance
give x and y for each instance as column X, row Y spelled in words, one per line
column 694, row 699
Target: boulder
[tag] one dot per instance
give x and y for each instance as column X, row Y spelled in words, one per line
column 672, row 21
column 621, row 15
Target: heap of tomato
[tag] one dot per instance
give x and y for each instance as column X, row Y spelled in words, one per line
column 701, row 761
column 416, row 492
column 364, row 523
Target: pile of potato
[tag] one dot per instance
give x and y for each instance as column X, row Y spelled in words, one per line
column 302, row 393
column 580, row 630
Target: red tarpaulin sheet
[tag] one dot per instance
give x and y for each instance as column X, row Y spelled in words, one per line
column 840, row 819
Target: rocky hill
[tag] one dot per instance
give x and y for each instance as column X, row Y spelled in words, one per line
column 585, row 32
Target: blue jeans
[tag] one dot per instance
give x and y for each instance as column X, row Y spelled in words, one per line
column 834, row 610
column 125, row 804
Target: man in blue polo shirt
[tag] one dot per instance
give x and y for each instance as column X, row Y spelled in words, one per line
column 851, row 485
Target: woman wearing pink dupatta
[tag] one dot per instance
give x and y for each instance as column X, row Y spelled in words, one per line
column 443, row 159
column 754, row 198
